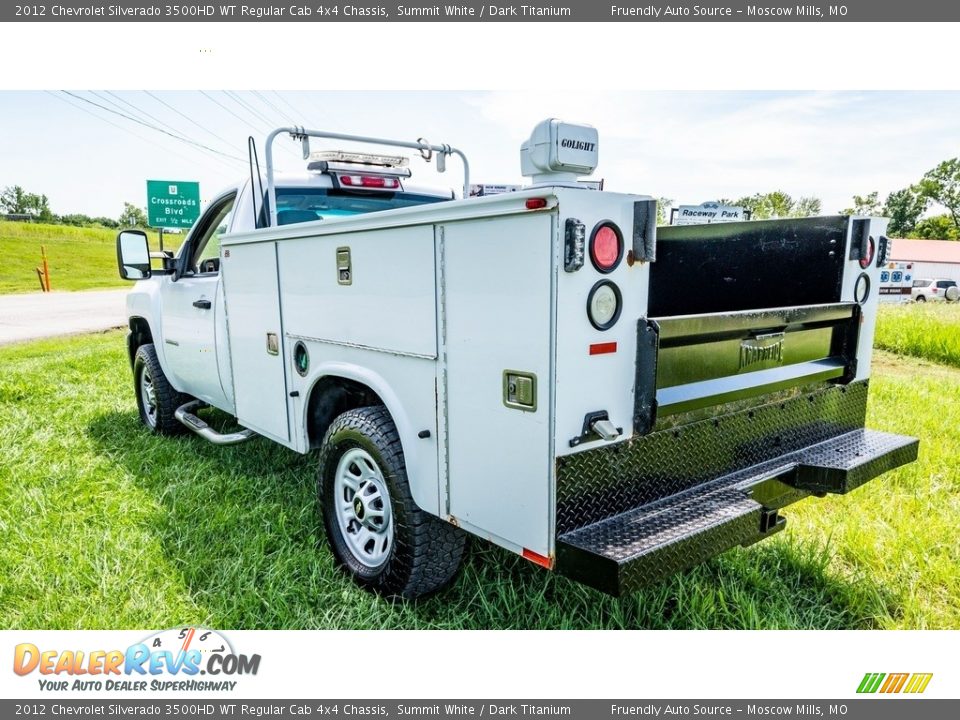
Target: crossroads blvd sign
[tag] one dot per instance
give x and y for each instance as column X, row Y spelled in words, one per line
column 172, row 203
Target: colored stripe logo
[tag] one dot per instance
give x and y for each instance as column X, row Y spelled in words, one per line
column 913, row 683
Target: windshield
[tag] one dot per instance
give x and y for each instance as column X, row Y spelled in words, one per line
column 298, row 205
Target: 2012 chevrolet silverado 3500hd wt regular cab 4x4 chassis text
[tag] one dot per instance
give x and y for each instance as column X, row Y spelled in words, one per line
column 545, row 369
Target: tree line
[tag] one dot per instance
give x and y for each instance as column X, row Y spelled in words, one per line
column 939, row 186
column 14, row 200
column 905, row 207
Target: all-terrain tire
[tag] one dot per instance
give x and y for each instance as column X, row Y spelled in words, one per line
column 424, row 552
column 156, row 408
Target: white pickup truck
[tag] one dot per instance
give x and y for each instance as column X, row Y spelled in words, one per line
column 544, row 369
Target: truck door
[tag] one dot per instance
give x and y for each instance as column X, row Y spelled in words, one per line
column 252, row 296
column 192, row 314
column 497, row 327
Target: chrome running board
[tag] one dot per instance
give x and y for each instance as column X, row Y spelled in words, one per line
column 185, row 414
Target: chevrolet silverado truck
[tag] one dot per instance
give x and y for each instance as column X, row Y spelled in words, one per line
column 544, row 369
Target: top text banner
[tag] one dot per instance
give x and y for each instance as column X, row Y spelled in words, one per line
column 472, row 11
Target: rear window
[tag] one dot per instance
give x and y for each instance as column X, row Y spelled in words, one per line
column 945, row 283
column 298, row 205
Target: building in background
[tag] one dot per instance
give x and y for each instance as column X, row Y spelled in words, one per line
column 930, row 258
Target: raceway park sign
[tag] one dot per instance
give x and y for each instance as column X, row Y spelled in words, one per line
column 709, row 212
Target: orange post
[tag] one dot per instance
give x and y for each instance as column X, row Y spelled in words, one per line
column 46, row 269
column 43, row 288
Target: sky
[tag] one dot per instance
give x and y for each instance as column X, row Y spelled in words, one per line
column 690, row 147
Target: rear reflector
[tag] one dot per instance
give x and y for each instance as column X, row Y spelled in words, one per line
column 536, row 203
column 537, row 558
column 603, row 348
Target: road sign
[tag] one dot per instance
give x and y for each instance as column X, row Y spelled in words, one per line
column 708, row 212
column 172, row 203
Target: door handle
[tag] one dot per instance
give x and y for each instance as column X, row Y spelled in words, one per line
column 202, row 304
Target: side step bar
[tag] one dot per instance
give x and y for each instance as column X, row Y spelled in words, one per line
column 185, row 414
column 645, row 544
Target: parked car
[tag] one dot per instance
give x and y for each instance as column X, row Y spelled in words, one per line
column 935, row 290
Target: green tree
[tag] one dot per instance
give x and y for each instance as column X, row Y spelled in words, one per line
column 808, row 206
column 13, row 199
column 937, row 227
column 904, row 208
column 663, row 210
column 942, row 185
column 133, row 216
column 16, row 200
column 778, row 204
column 864, row 205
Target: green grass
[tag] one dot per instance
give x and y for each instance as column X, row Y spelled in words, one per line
column 78, row 258
column 925, row 330
column 105, row 526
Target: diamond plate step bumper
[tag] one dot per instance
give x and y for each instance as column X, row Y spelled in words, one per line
column 648, row 543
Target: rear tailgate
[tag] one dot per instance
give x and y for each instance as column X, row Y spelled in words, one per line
column 747, row 398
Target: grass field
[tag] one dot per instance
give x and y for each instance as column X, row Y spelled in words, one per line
column 105, row 526
column 79, row 258
column 926, row 330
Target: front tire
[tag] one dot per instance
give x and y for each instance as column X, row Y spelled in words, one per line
column 156, row 398
column 376, row 531
column 921, row 298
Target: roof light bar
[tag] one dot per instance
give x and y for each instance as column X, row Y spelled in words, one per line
column 356, row 168
column 359, row 158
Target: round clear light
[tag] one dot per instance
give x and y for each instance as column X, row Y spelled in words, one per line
column 603, row 305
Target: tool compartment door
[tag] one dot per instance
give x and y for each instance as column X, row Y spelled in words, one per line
column 256, row 338
column 497, row 289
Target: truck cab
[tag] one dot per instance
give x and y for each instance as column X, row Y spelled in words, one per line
column 181, row 308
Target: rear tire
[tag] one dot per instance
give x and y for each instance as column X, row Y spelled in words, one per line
column 376, row 531
column 156, row 398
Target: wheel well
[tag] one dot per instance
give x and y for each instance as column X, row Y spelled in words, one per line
column 139, row 335
column 331, row 396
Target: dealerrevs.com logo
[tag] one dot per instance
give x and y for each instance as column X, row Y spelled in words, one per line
column 179, row 659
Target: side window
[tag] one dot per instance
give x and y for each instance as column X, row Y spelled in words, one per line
column 206, row 249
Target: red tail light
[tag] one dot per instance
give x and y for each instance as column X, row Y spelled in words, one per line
column 374, row 181
column 536, row 203
column 606, row 246
column 868, row 258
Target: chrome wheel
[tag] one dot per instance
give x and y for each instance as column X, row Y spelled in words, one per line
column 148, row 395
column 363, row 508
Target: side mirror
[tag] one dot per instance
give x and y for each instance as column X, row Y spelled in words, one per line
column 133, row 255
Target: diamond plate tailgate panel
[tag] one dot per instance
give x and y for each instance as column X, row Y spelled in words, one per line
column 646, row 543
column 642, row 546
column 607, row 480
